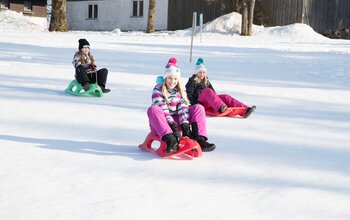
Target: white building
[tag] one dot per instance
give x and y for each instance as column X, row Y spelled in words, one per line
column 108, row 15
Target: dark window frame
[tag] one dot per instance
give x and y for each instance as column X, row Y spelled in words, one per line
column 27, row 5
column 93, row 11
column 137, row 8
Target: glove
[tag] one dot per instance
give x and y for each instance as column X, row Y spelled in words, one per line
column 186, row 131
column 90, row 67
column 93, row 67
column 175, row 130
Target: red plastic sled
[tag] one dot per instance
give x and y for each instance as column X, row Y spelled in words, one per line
column 229, row 112
column 187, row 147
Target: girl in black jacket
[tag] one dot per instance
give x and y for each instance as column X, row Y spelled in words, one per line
column 200, row 90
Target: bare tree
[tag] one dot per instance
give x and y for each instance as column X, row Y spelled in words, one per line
column 244, row 28
column 247, row 17
column 151, row 15
column 58, row 16
column 250, row 17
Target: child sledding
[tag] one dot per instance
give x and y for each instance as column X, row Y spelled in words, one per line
column 88, row 79
column 200, row 90
column 171, row 119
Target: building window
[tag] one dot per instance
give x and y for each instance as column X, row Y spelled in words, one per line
column 27, row 6
column 93, row 11
column 137, row 8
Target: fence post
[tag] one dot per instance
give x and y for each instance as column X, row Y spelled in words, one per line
column 201, row 26
column 194, row 23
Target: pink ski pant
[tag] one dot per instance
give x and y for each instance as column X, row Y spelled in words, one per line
column 210, row 99
column 159, row 126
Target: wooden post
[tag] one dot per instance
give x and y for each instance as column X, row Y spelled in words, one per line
column 194, row 23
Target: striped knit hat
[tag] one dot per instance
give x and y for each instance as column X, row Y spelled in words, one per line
column 171, row 69
column 200, row 65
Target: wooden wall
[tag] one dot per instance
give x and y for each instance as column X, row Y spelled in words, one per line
column 280, row 12
column 180, row 12
column 328, row 14
column 321, row 15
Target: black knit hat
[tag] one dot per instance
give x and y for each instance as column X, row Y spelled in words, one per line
column 83, row 43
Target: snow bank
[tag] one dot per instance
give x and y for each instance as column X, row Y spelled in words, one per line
column 227, row 25
column 230, row 24
column 293, row 32
column 11, row 20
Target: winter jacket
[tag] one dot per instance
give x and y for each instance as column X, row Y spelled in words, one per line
column 194, row 89
column 177, row 105
column 80, row 59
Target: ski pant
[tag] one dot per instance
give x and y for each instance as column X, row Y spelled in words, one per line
column 83, row 77
column 210, row 99
column 160, row 127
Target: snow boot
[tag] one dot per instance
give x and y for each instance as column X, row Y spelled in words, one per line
column 223, row 108
column 104, row 89
column 206, row 147
column 171, row 143
column 86, row 86
column 249, row 111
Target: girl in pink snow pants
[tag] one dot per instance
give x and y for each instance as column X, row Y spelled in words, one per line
column 170, row 110
column 200, row 90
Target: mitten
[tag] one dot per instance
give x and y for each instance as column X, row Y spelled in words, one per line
column 175, row 130
column 93, row 67
column 186, row 131
column 87, row 66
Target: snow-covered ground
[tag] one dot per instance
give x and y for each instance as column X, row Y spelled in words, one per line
column 64, row 157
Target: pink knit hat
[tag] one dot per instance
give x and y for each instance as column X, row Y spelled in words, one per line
column 171, row 69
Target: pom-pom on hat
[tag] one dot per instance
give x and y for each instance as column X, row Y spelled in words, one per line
column 159, row 80
column 200, row 65
column 171, row 69
column 83, row 43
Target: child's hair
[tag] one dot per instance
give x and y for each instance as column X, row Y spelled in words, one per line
column 197, row 80
column 179, row 87
column 83, row 60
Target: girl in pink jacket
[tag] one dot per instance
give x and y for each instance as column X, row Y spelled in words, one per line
column 170, row 110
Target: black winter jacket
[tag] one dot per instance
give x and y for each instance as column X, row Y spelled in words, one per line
column 194, row 89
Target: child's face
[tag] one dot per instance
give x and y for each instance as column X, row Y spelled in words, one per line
column 85, row 50
column 171, row 82
column 201, row 74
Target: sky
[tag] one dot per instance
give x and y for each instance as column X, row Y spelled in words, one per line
column 77, row 158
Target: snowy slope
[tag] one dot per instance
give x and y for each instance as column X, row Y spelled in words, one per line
column 65, row 157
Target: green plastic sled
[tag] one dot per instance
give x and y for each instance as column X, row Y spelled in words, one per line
column 76, row 89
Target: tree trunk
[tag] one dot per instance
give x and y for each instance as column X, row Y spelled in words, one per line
column 250, row 17
column 58, row 16
column 151, row 15
column 244, row 28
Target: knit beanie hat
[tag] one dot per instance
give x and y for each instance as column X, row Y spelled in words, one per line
column 171, row 69
column 200, row 65
column 83, row 43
